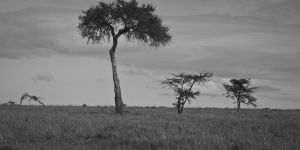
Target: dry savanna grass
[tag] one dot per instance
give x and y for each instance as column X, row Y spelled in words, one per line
column 140, row 128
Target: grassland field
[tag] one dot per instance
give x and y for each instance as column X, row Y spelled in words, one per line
column 147, row 128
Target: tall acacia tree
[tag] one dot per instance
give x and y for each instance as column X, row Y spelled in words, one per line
column 106, row 21
column 241, row 91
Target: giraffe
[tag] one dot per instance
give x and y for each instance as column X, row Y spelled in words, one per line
column 31, row 97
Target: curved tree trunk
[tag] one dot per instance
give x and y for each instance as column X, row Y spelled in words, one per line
column 117, row 88
column 238, row 105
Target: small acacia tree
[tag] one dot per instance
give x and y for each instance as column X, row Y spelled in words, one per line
column 241, row 91
column 107, row 21
column 183, row 84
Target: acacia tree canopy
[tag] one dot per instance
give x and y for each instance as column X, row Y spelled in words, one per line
column 114, row 19
column 241, row 91
column 182, row 84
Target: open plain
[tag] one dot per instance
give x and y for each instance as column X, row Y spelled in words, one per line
column 91, row 128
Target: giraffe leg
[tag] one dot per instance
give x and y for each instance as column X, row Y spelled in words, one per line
column 38, row 99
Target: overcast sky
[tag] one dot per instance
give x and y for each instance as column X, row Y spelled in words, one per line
column 42, row 53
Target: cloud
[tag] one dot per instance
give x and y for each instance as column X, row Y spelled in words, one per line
column 213, row 95
column 192, row 7
column 42, row 32
column 133, row 71
column 100, row 80
column 246, row 45
column 267, row 89
column 46, row 31
column 166, row 94
column 13, row 5
column 287, row 11
column 32, row 31
column 45, row 77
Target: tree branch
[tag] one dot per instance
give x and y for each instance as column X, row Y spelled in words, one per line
column 192, row 85
column 122, row 31
column 112, row 30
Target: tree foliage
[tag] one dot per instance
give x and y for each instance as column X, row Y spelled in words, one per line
column 107, row 20
column 183, row 84
column 241, row 91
